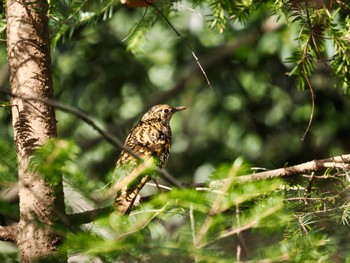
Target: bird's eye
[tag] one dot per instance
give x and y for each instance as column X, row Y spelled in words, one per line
column 166, row 110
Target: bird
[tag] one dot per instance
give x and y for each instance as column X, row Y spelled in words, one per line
column 150, row 138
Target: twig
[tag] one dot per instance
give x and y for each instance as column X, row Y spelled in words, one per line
column 186, row 43
column 193, row 229
column 309, row 187
column 302, row 198
column 216, row 207
column 179, row 5
column 311, row 91
column 137, row 25
column 141, row 224
column 239, row 247
column 302, row 225
column 236, row 231
column 160, row 186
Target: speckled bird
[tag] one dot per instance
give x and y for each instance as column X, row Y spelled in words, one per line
column 151, row 137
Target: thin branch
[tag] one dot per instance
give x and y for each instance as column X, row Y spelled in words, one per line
column 160, row 187
column 327, row 210
column 340, row 162
column 187, row 44
column 302, row 225
column 141, row 224
column 216, row 206
column 9, row 233
column 193, row 223
column 137, row 25
column 236, row 231
column 312, row 106
column 302, row 198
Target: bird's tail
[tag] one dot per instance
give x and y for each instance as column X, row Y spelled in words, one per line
column 127, row 198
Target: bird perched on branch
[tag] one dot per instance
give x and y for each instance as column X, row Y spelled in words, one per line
column 149, row 139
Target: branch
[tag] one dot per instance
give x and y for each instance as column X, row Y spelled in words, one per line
column 312, row 106
column 80, row 114
column 9, row 233
column 216, row 207
column 341, row 162
column 187, row 44
column 88, row 216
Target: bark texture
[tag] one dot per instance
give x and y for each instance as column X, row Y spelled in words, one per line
column 41, row 199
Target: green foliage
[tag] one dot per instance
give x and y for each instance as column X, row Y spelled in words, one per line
column 269, row 219
column 52, row 159
column 9, row 212
column 200, row 220
column 223, row 11
column 287, row 221
column 57, row 159
column 317, row 23
column 302, row 247
column 8, row 253
column 311, row 42
column 341, row 61
column 68, row 16
column 159, row 14
column 8, row 164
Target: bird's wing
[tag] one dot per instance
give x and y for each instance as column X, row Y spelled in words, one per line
column 145, row 140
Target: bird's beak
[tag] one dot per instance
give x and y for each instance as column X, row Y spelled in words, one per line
column 181, row 108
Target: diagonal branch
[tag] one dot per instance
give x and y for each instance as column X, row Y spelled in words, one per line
column 88, row 120
column 9, row 233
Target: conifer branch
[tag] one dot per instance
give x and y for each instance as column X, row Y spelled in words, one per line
column 9, row 233
column 339, row 162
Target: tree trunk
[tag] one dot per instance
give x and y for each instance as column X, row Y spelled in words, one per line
column 41, row 198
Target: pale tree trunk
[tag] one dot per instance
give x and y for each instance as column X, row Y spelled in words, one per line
column 41, row 200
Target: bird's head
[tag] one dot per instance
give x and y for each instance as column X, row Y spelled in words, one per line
column 161, row 113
